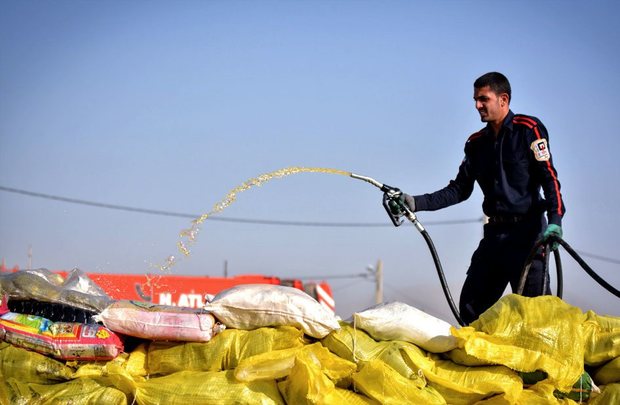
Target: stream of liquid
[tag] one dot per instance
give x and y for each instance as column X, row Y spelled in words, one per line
column 188, row 236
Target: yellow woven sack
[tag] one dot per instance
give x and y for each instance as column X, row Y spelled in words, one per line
column 136, row 363
column 380, row 382
column 113, row 373
column 206, row 388
column 539, row 394
column 609, row 373
column 306, row 383
column 223, row 352
column 31, row 367
column 82, row 391
column 542, row 393
column 459, row 356
column 345, row 397
column 461, row 385
column 529, row 334
column 602, row 340
column 279, row 363
column 609, row 396
column 356, row 345
column 267, row 366
column 350, row 343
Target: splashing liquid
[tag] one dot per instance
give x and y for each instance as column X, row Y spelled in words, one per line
column 188, row 236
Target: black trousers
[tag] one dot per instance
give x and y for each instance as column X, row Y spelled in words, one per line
column 499, row 261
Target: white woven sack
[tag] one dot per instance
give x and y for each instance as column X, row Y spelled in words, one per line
column 399, row 321
column 251, row 306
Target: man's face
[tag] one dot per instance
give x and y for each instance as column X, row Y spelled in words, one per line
column 489, row 105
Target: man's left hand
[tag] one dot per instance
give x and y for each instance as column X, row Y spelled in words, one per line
column 553, row 231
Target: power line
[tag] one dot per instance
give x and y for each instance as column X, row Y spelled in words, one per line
column 254, row 221
column 96, row 204
column 219, row 218
column 598, row 257
column 345, row 286
column 397, row 291
column 335, row 276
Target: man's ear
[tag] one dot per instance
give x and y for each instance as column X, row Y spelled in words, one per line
column 504, row 100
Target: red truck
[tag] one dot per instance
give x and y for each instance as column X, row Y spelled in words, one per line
column 190, row 291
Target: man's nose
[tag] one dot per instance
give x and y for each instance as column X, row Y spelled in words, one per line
column 478, row 105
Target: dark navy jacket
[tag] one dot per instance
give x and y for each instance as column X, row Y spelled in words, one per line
column 510, row 171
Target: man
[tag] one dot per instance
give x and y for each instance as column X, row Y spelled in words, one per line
column 510, row 159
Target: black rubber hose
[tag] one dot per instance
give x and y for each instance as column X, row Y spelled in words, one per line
column 575, row 256
column 524, row 274
column 442, row 278
column 558, row 266
column 545, row 271
column 528, row 264
column 526, row 267
column 588, row 269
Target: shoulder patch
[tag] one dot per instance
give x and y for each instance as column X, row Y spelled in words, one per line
column 540, row 149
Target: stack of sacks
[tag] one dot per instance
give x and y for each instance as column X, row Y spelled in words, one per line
column 245, row 307
column 400, row 351
column 47, row 303
column 289, row 352
column 201, row 370
column 547, row 336
column 62, row 340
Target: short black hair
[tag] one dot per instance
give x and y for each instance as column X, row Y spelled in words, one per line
column 496, row 81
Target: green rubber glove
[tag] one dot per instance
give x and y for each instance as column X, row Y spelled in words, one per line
column 553, row 231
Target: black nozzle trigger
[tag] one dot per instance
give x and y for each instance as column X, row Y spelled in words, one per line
column 392, row 204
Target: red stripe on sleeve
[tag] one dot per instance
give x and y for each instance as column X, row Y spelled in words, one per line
column 554, row 177
column 530, row 123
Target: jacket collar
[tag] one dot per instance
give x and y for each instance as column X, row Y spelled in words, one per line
column 507, row 124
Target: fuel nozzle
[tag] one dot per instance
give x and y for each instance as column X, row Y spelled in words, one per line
column 393, row 202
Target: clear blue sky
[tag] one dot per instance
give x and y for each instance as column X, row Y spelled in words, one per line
column 168, row 105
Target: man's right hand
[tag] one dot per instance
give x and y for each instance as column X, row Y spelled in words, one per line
column 408, row 200
column 552, row 233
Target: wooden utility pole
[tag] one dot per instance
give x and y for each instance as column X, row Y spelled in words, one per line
column 29, row 257
column 379, row 282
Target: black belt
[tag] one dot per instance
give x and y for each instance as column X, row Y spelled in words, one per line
column 507, row 219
